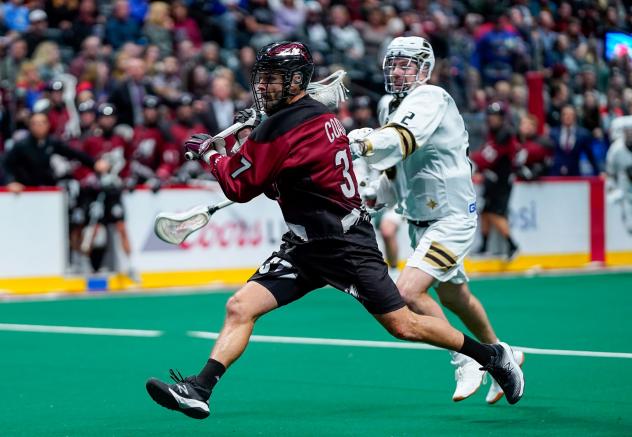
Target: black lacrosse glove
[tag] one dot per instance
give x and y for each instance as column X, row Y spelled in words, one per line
column 249, row 117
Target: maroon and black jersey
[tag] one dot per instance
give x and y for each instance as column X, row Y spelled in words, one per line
column 300, row 157
column 98, row 145
column 151, row 149
column 58, row 117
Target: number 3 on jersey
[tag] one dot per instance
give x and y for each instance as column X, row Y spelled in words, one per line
column 348, row 187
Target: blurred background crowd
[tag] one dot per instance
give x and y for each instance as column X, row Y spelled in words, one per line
column 98, row 96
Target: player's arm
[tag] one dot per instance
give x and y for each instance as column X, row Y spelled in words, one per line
column 410, row 128
column 250, row 171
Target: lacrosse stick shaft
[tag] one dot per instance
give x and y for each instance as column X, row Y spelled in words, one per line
column 220, row 205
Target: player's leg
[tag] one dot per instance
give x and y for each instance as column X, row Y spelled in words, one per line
column 439, row 253
column 242, row 311
column 486, row 227
column 413, row 284
column 276, row 283
column 497, row 359
column 368, row 281
column 459, row 299
column 389, row 226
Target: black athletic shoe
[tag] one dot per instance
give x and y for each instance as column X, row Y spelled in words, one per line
column 506, row 371
column 512, row 253
column 186, row 395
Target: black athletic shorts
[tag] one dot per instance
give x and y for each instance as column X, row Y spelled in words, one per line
column 359, row 270
column 497, row 199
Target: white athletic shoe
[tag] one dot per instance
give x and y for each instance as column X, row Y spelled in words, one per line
column 496, row 393
column 468, row 376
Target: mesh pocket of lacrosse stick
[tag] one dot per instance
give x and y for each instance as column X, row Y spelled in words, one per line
column 174, row 228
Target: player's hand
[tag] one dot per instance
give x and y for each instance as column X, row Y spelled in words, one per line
column 368, row 194
column 197, row 145
column 357, row 142
column 101, row 166
column 15, row 187
column 358, row 148
column 359, row 134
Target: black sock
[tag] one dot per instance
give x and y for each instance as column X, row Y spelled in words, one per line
column 511, row 243
column 482, row 353
column 210, row 374
column 483, row 244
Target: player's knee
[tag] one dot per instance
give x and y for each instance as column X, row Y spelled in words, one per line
column 409, row 291
column 406, row 329
column 237, row 310
column 388, row 231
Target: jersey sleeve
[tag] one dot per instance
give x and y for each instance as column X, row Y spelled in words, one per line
column 413, row 123
column 250, row 171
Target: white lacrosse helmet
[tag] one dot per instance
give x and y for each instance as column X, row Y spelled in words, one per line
column 404, row 52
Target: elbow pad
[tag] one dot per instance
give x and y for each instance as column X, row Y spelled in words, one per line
column 389, row 145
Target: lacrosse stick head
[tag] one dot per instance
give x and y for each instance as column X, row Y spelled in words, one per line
column 174, row 228
column 329, row 91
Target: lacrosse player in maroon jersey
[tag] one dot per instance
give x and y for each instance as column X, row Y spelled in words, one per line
column 299, row 156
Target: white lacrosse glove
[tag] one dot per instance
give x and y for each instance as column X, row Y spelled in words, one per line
column 356, row 141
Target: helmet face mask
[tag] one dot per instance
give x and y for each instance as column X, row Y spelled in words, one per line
column 408, row 63
column 282, row 70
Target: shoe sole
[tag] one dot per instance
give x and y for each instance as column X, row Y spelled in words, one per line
column 500, row 395
column 164, row 398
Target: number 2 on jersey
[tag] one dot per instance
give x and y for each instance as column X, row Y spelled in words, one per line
column 348, row 187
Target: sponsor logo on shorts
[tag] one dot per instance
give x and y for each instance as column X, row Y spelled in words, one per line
column 472, row 207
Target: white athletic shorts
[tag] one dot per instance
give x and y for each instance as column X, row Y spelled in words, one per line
column 392, row 216
column 440, row 248
column 626, row 204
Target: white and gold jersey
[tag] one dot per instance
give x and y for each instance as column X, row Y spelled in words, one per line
column 619, row 166
column 424, row 137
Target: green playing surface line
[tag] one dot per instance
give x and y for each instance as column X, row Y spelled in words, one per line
column 80, row 385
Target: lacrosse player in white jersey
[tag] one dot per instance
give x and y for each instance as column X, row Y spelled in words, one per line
column 424, row 145
column 619, row 169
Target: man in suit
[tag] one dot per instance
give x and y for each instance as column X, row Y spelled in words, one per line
column 571, row 141
column 128, row 95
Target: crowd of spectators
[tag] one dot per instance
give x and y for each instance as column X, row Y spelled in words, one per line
column 140, row 76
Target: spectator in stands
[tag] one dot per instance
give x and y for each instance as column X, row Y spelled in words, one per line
column 28, row 163
column 38, row 31
column 58, row 114
column 158, row 28
column 289, row 16
column 10, row 64
column 84, row 26
column 29, row 85
column 120, row 27
column 185, row 27
column 90, row 53
column 15, row 15
column 534, row 154
column 47, row 59
column 346, row 42
column 571, row 141
column 129, row 93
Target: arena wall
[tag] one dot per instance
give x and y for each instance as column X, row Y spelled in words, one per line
column 558, row 222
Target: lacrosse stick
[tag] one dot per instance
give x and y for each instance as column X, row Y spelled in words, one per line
column 329, row 91
column 174, row 228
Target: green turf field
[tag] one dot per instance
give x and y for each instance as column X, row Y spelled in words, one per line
column 88, row 385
